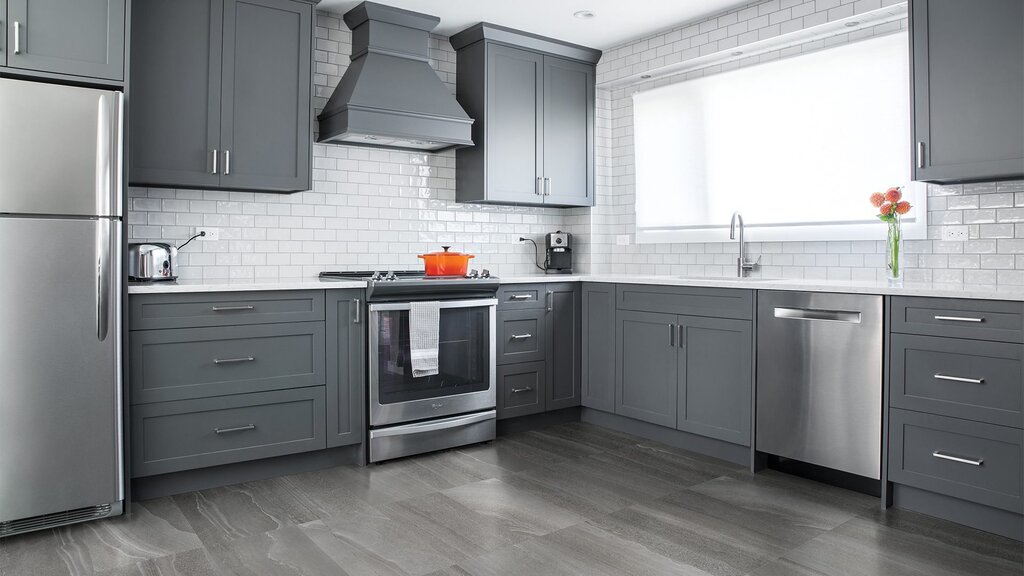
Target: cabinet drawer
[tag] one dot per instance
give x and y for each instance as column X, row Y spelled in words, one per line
column 968, row 460
column 200, row 362
column 521, row 336
column 521, row 297
column 189, row 434
column 155, row 311
column 686, row 300
column 975, row 319
column 971, row 379
column 521, row 389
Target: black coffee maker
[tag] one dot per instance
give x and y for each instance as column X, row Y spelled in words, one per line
column 558, row 248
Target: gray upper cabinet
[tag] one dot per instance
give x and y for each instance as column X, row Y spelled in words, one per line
column 563, row 326
column 968, row 85
column 532, row 100
column 346, row 380
column 646, row 367
column 598, row 340
column 221, row 94
column 265, row 102
column 83, row 38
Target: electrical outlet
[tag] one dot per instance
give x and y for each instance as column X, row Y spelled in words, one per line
column 954, row 233
column 622, row 239
column 211, row 233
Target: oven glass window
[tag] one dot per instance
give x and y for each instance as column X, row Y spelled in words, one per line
column 463, row 356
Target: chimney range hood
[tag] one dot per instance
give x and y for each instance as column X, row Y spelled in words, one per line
column 390, row 97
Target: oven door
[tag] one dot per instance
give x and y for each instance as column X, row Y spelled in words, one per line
column 465, row 381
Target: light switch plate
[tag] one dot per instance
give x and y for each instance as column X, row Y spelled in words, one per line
column 211, row 233
column 622, row 239
column 955, row 233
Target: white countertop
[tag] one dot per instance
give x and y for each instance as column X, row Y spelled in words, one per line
column 975, row 291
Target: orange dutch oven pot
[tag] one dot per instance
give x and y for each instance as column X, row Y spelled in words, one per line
column 446, row 263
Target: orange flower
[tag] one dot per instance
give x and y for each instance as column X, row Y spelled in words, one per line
column 886, row 209
column 877, row 199
column 893, row 195
column 902, row 207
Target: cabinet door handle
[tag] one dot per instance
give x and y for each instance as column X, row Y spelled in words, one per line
column 227, row 162
column 518, row 390
column 971, row 461
column 521, row 336
column 215, row 154
column 17, row 37
column 520, row 296
column 550, row 300
column 920, row 154
column 959, row 319
column 357, row 316
column 234, row 360
column 235, row 429
column 672, row 335
column 232, row 308
column 960, row 379
column 682, row 336
column 537, row 187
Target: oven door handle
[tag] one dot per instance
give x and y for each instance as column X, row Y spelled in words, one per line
column 434, row 425
column 476, row 303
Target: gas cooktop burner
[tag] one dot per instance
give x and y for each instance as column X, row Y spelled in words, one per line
column 415, row 285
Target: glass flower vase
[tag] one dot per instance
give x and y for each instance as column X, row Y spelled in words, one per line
column 894, row 255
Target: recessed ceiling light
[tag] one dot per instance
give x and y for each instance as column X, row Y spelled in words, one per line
column 737, row 53
column 584, row 14
column 851, row 24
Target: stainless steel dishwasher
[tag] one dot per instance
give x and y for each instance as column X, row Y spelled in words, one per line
column 819, row 379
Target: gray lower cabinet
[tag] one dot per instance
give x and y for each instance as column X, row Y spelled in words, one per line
column 221, row 94
column 532, row 100
column 83, row 38
column 521, row 336
column 521, row 389
column 715, row 378
column 563, row 332
column 646, row 361
column 346, row 367
column 188, row 434
column 968, row 85
column 157, row 311
column 598, row 346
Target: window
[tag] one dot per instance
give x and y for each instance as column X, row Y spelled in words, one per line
column 796, row 145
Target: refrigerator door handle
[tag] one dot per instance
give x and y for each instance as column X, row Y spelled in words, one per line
column 103, row 264
column 109, row 118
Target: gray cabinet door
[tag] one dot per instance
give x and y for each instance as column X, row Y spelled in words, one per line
column 521, row 336
column 715, row 378
column 81, row 38
column 598, row 338
column 346, row 366
column 647, row 372
column 568, row 132
column 521, row 389
column 174, row 108
column 562, row 325
column 513, row 107
column 266, row 117
column 968, row 84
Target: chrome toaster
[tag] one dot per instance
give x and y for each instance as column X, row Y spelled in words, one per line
column 149, row 261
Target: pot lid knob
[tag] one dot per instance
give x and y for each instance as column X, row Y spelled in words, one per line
column 446, row 248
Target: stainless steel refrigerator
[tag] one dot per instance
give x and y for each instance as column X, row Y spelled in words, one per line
column 61, row 457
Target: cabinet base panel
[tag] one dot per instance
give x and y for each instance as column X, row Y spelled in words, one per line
column 708, row 446
column 988, row 519
column 215, row 476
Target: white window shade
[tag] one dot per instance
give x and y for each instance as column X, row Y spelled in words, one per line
column 796, row 145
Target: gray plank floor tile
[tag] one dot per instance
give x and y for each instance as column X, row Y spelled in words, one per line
column 590, row 435
column 518, row 510
column 286, row 551
column 510, row 454
column 192, row 563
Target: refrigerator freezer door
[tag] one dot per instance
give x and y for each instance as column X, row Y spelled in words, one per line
column 60, row 149
column 60, row 349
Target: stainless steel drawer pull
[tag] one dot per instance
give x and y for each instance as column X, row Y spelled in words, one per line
column 233, row 360
column 959, row 319
column 518, row 390
column 920, row 154
column 235, row 429
column 811, row 314
column 550, row 300
column 521, row 336
column 17, row 37
column 960, row 379
column 971, row 461
column 214, row 170
column 358, row 305
column 227, row 162
column 520, row 296
column 672, row 335
column 232, row 308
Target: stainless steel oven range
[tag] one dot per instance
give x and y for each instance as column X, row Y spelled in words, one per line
column 411, row 415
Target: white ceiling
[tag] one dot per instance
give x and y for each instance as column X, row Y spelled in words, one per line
column 616, row 22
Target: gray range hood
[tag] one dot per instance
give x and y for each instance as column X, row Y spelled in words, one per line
column 390, row 97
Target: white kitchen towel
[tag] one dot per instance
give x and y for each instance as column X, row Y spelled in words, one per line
column 424, row 318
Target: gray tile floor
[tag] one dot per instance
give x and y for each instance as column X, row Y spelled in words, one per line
column 571, row 499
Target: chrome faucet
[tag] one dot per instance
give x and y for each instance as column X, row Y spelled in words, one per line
column 743, row 264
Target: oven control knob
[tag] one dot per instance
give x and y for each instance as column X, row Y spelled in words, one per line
column 486, row 273
column 473, row 274
column 391, row 277
column 375, row 276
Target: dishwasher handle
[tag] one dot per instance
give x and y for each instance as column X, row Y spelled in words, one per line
column 846, row 316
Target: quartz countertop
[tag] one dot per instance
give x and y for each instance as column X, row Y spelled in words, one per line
column 974, row 291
